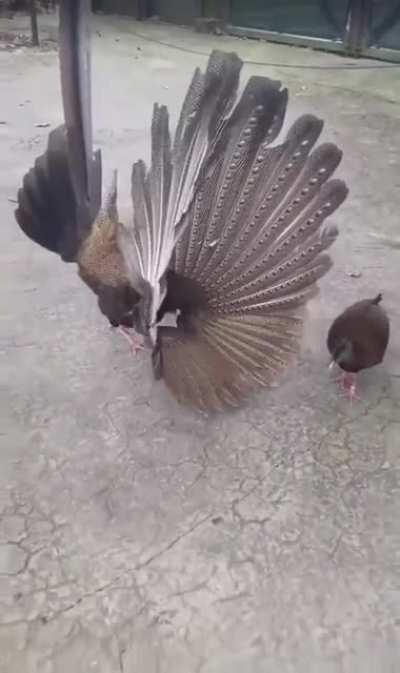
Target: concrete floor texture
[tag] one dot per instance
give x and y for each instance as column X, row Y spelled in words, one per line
column 138, row 537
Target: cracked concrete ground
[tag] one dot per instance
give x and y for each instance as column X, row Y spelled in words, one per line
column 137, row 537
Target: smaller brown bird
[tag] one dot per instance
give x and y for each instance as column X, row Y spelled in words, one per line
column 357, row 339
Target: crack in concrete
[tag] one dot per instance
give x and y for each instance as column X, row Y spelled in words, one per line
column 139, row 566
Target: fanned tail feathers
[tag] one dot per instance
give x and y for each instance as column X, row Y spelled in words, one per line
column 226, row 357
column 254, row 241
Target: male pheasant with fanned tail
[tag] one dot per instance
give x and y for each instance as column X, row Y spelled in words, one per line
column 246, row 254
column 227, row 231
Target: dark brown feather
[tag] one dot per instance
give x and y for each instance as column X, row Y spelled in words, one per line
column 48, row 209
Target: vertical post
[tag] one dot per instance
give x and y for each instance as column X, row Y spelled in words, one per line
column 224, row 11
column 34, row 23
column 142, row 7
column 358, row 26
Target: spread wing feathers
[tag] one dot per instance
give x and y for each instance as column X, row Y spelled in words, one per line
column 163, row 194
column 61, row 195
column 254, row 243
column 47, row 209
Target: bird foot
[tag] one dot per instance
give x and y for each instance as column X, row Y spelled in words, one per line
column 347, row 383
column 349, row 387
column 136, row 341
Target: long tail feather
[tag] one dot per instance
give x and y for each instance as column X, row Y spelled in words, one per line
column 74, row 41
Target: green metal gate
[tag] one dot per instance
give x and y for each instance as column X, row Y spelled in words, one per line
column 358, row 27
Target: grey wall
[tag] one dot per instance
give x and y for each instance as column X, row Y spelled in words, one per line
column 125, row 7
column 178, row 11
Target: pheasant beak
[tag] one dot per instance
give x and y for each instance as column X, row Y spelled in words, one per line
column 332, row 364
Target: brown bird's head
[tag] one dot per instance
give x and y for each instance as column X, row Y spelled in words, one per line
column 343, row 353
column 118, row 304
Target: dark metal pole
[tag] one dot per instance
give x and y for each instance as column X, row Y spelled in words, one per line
column 358, row 26
column 34, row 23
column 224, row 10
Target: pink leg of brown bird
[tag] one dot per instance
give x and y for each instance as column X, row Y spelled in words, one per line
column 135, row 340
column 347, row 382
column 349, row 386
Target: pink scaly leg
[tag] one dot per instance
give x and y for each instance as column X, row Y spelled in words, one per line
column 349, row 386
column 135, row 340
column 347, row 383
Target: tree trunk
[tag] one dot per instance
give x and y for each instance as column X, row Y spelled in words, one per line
column 34, row 23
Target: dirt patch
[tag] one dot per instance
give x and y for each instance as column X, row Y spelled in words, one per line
column 10, row 41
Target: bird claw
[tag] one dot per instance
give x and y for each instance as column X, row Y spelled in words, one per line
column 350, row 394
column 353, row 394
column 136, row 342
column 341, row 380
column 347, row 383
